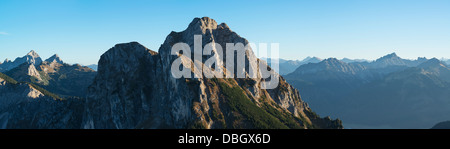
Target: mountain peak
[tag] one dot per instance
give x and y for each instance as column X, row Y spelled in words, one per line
column 204, row 21
column 434, row 60
column 33, row 54
column 392, row 55
column 309, row 58
column 389, row 57
column 330, row 64
column 390, row 60
column 32, row 58
column 7, row 61
column 133, row 46
column 54, row 58
column 203, row 24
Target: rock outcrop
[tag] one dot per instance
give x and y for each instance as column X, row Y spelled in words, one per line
column 134, row 88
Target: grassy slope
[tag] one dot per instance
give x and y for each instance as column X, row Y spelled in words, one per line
column 265, row 117
column 8, row 79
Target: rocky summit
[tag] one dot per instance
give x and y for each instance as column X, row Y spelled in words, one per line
column 134, row 88
column 54, row 59
column 32, row 58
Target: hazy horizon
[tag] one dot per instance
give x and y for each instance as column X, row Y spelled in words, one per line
column 81, row 31
column 300, row 59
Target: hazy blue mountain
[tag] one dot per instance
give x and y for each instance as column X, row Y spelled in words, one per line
column 393, row 60
column 310, row 60
column 413, row 98
column 347, row 60
column 321, row 84
column 288, row 66
column 389, row 60
column 447, row 61
column 331, row 64
column 390, row 92
column 93, row 67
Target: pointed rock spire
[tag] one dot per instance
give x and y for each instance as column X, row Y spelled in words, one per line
column 6, row 61
column 33, row 54
column 54, row 58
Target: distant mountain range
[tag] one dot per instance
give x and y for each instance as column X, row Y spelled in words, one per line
column 288, row 66
column 390, row 92
column 134, row 88
column 93, row 67
column 446, row 61
column 52, row 74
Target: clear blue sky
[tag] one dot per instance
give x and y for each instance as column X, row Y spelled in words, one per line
column 79, row 31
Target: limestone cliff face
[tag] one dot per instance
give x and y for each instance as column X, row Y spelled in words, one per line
column 134, row 88
column 25, row 72
column 17, row 91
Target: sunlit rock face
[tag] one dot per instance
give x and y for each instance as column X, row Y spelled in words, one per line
column 134, row 88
